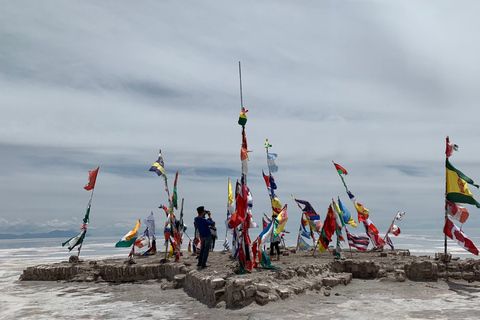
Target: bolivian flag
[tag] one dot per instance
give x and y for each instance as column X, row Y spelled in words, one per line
column 457, row 186
column 129, row 238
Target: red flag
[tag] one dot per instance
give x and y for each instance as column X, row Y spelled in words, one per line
column 450, row 147
column 92, row 177
column 457, row 211
column 394, row 229
column 454, row 233
column 329, row 224
column 340, row 169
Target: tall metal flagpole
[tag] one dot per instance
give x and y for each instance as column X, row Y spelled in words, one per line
column 446, row 213
column 241, row 95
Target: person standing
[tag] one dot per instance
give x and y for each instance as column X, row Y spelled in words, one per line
column 203, row 227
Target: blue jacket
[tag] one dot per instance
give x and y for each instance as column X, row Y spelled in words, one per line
column 203, row 226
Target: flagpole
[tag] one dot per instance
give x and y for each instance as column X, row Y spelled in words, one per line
column 446, row 214
column 89, row 205
column 241, row 93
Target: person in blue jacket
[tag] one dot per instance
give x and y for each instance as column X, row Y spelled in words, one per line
column 203, row 227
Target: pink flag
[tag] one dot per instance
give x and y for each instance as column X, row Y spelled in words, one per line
column 456, row 211
column 454, row 233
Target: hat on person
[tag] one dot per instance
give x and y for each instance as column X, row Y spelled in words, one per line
column 200, row 209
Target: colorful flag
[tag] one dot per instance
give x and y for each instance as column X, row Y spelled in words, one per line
column 75, row 241
column 244, row 152
column 457, row 189
column 238, row 216
column 450, row 148
column 361, row 243
column 329, row 224
column 242, row 119
column 266, row 234
column 399, row 215
column 282, row 220
column 164, row 209
column 312, row 217
column 302, row 245
column 92, row 178
column 339, row 224
column 267, row 145
column 302, row 231
column 129, row 238
column 454, row 233
column 272, row 167
column 159, row 166
column 347, row 217
column 394, row 229
column 340, row 169
column 226, row 245
column 389, row 241
column 374, row 237
column 174, row 200
column 456, row 211
column 323, row 241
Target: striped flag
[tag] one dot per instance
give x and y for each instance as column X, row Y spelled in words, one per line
column 361, row 243
column 158, row 167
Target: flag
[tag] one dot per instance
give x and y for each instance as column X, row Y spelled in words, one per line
column 242, row 119
column 389, row 241
column 323, row 241
column 226, row 245
column 272, row 167
column 264, row 223
column 394, row 229
column 238, row 216
column 244, row 152
column 361, row 243
column 456, row 211
column 339, row 224
column 159, row 166
column 347, row 217
column 129, row 238
column 143, row 241
column 266, row 234
column 302, row 231
column 302, row 245
column 174, row 200
column 75, row 241
column 340, row 169
column 363, row 213
column 282, row 220
column 267, row 145
column 150, row 223
column 399, row 215
column 312, row 217
column 271, row 187
column 92, row 178
column 450, row 148
column 454, row 233
column 329, row 225
column 369, row 230
column 457, row 189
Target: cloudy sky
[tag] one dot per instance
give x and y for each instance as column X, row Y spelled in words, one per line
column 375, row 86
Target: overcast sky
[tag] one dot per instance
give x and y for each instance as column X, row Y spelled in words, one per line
column 375, row 86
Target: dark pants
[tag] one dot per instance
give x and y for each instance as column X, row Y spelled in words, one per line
column 202, row 258
column 274, row 245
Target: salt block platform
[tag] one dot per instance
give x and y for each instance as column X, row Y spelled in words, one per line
column 220, row 284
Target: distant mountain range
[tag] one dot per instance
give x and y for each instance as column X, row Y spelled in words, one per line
column 51, row 234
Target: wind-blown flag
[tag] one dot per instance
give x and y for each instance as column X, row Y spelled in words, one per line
column 282, row 220
column 347, row 217
column 174, row 200
column 302, row 231
column 341, row 171
column 329, row 226
column 361, row 243
column 271, row 187
column 302, row 245
column 74, row 241
column 454, row 233
column 456, row 211
column 272, row 167
column 339, row 224
column 242, row 119
column 158, row 166
column 323, row 241
column 267, row 145
column 266, row 234
column 394, row 229
column 389, row 241
column 312, row 217
column 374, row 237
column 129, row 238
column 457, row 189
column 450, row 148
column 238, row 216
column 92, row 178
column 244, row 152
column 399, row 215
column 363, row 213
